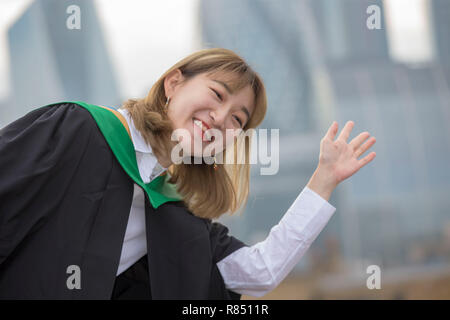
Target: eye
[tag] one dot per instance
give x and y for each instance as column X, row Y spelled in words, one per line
column 238, row 120
column 217, row 94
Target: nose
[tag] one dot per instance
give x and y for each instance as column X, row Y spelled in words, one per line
column 218, row 118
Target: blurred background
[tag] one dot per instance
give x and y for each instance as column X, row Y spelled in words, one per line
column 320, row 62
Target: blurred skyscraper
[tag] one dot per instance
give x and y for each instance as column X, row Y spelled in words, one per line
column 440, row 10
column 66, row 64
column 321, row 63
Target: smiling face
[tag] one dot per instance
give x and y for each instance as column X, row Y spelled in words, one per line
column 204, row 104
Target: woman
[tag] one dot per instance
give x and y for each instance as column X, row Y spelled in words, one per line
column 93, row 206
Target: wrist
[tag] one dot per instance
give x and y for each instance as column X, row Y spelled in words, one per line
column 322, row 183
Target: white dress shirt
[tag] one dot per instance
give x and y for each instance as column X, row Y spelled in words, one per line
column 253, row 270
column 135, row 243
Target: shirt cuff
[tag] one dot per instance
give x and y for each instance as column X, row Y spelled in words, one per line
column 256, row 270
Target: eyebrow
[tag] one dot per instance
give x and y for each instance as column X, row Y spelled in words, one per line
column 243, row 108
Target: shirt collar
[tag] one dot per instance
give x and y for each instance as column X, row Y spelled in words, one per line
column 138, row 141
column 140, row 145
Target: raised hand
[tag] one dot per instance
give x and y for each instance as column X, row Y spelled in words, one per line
column 338, row 160
column 340, row 157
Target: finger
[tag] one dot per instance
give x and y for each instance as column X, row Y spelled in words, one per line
column 366, row 160
column 358, row 140
column 346, row 131
column 365, row 147
column 332, row 130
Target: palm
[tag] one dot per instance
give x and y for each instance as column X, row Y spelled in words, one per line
column 342, row 157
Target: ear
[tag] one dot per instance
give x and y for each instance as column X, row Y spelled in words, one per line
column 172, row 81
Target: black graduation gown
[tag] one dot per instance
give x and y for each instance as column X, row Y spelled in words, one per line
column 65, row 200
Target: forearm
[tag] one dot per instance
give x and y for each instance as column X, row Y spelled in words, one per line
column 256, row 270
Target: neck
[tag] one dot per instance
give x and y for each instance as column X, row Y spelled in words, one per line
column 163, row 159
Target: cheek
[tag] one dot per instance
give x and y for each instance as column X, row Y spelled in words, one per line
column 179, row 116
column 182, row 114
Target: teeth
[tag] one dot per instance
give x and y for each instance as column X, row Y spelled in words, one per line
column 199, row 124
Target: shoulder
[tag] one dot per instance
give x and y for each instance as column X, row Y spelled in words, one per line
column 71, row 109
column 68, row 114
column 50, row 120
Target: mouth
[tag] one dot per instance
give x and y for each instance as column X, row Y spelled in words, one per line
column 206, row 136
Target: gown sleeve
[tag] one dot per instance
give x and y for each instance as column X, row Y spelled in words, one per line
column 258, row 269
column 38, row 154
column 222, row 245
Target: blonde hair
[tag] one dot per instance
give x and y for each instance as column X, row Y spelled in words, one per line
column 207, row 193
